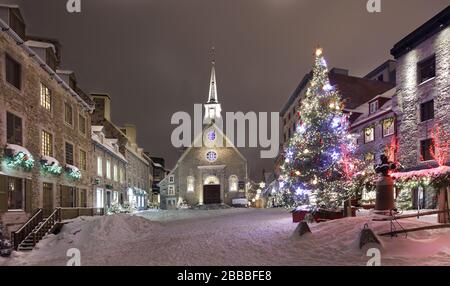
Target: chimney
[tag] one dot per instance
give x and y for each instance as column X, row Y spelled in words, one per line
column 339, row 71
column 102, row 105
column 130, row 131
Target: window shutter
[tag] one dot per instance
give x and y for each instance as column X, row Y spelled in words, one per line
column 28, row 196
column 3, row 194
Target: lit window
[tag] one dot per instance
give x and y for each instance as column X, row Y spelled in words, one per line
column 46, row 98
column 47, row 144
column 99, row 166
column 99, row 198
column 108, row 169
column 212, row 136
column 388, row 127
column 369, row 134
column 83, row 160
column 115, row 173
column 16, row 193
column 211, row 156
column 369, row 157
column 122, row 177
column 171, row 190
column 190, row 183
column 68, row 114
column 233, row 181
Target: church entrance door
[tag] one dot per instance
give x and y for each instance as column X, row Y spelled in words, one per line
column 211, row 194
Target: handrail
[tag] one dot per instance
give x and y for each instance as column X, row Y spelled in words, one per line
column 20, row 235
column 36, row 213
column 46, row 225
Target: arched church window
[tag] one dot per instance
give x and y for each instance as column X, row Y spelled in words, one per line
column 212, row 180
column 233, row 183
column 190, row 183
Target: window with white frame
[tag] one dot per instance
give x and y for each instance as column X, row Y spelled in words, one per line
column 171, row 190
column 233, row 182
column 99, row 198
column 115, row 173
column 171, row 179
column 388, row 127
column 108, row 169
column 116, row 197
column 121, row 176
column 369, row 134
column 190, row 183
column 373, row 107
column 99, row 166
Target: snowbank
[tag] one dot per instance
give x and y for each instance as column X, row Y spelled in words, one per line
column 232, row 237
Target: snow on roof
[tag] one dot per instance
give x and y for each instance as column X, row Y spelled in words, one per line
column 97, row 128
column 422, row 173
column 12, row 6
column 38, row 44
column 158, row 165
column 108, row 144
column 18, row 149
column 50, row 160
column 72, row 167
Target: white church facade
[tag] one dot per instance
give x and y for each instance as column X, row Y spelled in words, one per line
column 213, row 174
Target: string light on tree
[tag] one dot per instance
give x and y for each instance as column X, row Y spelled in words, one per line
column 315, row 159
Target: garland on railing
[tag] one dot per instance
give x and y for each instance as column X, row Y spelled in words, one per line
column 51, row 168
column 20, row 160
column 73, row 173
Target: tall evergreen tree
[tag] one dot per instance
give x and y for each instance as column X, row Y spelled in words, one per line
column 319, row 165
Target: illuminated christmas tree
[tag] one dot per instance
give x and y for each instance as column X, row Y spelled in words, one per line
column 318, row 162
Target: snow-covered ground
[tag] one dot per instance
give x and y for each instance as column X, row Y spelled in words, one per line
column 229, row 237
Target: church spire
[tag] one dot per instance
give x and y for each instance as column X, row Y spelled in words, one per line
column 212, row 107
column 212, row 98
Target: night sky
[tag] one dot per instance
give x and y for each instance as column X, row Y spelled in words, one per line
column 152, row 56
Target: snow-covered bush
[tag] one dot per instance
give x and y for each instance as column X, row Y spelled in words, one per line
column 404, row 199
column 115, row 208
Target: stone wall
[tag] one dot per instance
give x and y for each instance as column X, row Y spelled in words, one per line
column 25, row 103
column 410, row 95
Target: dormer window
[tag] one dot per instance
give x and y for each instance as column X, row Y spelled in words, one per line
column 373, row 107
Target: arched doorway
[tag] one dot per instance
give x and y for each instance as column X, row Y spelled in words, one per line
column 211, row 190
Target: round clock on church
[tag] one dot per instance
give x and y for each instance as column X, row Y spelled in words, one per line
column 211, row 156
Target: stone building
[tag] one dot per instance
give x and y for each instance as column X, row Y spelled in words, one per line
column 138, row 169
column 137, row 173
column 422, row 102
column 210, row 174
column 44, row 127
column 110, row 165
column 375, row 125
column 158, row 174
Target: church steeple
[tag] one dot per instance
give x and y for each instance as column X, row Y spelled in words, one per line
column 212, row 85
column 212, row 107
